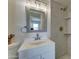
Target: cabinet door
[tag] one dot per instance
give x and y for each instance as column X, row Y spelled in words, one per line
column 35, row 57
column 48, row 55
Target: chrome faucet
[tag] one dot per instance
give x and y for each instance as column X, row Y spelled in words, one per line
column 37, row 37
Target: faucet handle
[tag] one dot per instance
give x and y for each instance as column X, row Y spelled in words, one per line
column 37, row 34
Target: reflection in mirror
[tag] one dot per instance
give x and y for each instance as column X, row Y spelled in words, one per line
column 36, row 21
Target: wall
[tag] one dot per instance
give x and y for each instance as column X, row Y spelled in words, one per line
column 11, row 4
column 20, row 21
column 68, row 22
column 57, row 35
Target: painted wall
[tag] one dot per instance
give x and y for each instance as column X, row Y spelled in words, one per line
column 57, row 35
column 11, row 4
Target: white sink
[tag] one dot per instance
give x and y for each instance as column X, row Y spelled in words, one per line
column 37, row 43
column 34, row 44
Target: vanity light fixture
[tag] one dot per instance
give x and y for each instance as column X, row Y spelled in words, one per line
column 36, row 4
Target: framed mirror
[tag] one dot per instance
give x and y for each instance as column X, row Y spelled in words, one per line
column 36, row 21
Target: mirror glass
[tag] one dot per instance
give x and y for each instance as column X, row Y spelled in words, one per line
column 36, row 20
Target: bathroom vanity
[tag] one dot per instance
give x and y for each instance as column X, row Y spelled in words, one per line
column 37, row 49
column 38, row 21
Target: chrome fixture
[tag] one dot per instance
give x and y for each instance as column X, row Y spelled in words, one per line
column 37, row 37
column 37, row 4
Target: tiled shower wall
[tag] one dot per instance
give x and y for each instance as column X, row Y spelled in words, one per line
column 57, row 22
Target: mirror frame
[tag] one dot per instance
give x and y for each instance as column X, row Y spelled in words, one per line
column 27, row 10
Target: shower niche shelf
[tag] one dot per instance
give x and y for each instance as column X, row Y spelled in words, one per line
column 67, row 34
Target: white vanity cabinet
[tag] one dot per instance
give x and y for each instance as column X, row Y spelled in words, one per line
column 46, row 55
column 44, row 51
